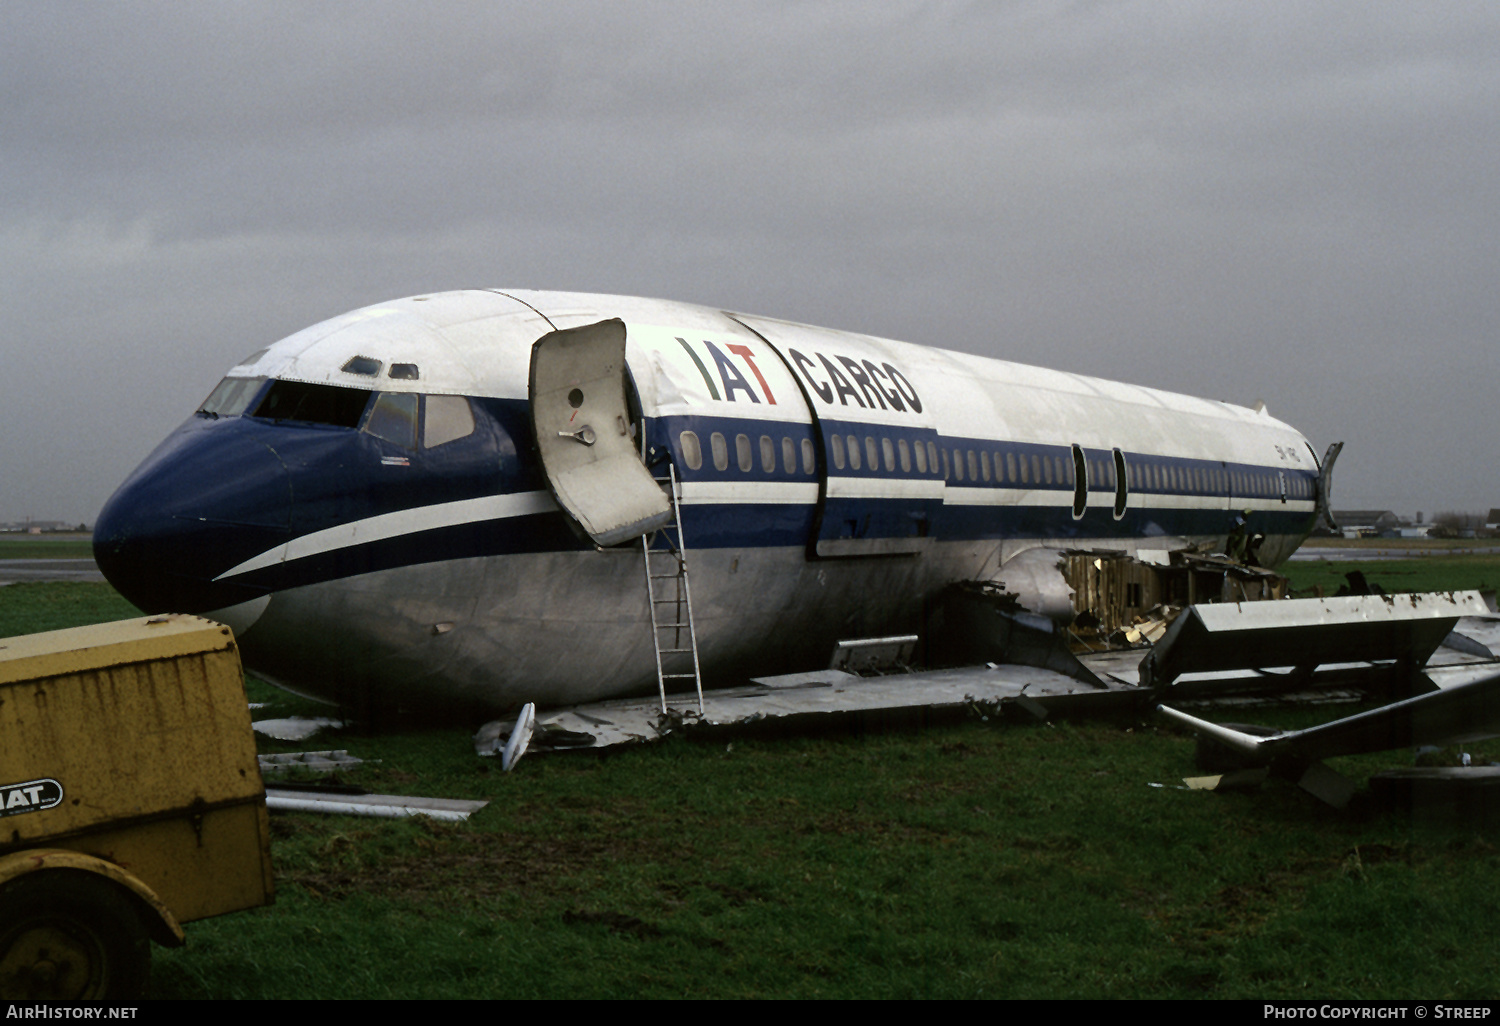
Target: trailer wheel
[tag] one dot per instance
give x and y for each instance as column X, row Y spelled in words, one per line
column 68, row 935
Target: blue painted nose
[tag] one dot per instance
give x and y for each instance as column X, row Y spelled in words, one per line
column 211, row 496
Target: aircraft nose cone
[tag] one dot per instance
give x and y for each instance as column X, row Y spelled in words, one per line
column 210, row 497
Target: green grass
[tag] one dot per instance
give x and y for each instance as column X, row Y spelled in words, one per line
column 31, row 547
column 31, row 607
column 971, row 861
column 975, row 860
column 1428, row 544
column 1426, row 573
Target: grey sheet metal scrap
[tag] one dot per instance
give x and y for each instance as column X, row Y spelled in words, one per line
column 793, row 699
column 1265, row 635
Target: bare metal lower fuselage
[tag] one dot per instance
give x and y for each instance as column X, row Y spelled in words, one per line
column 563, row 628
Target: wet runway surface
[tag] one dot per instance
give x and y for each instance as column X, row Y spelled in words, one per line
column 15, row 570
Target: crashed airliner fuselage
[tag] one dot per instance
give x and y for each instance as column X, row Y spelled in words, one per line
column 436, row 503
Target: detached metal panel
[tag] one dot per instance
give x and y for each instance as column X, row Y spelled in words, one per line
column 1307, row 633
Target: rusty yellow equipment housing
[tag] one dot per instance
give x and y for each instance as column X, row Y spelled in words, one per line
column 128, row 776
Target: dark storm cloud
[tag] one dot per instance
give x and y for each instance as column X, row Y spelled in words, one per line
column 1275, row 201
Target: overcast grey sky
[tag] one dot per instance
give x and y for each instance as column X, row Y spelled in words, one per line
column 1292, row 202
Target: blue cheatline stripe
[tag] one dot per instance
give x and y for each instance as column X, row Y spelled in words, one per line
column 749, row 527
column 544, row 532
column 384, row 539
column 759, row 527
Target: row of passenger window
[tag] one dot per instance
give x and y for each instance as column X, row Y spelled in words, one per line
column 1010, row 468
column 1147, row 475
column 745, row 452
column 1151, row 475
column 850, row 451
column 1015, row 468
column 917, row 454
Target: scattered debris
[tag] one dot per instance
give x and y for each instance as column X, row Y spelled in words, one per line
column 1119, row 593
column 1327, row 785
column 520, row 737
column 386, row 806
column 796, row 700
column 295, row 728
column 1148, row 629
column 1460, row 642
column 1304, row 634
column 1095, row 683
column 1384, row 641
column 874, row 656
column 974, row 622
column 1242, row 780
column 314, row 762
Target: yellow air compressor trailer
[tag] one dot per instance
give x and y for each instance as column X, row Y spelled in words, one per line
column 131, row 801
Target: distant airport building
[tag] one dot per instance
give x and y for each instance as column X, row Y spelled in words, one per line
column 39, row 527
column 1366, row 523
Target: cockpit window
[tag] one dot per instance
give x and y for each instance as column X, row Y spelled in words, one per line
column 447, row 419
column 394, row 418
column 231, row 397
column 314, row 404
column 363, row 365
column 405, row 371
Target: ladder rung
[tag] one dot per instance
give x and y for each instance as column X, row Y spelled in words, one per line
column 671, row 535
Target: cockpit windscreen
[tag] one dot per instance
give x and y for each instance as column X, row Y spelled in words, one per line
column 231, row 397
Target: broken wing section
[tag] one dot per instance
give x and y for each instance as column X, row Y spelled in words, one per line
column 1307, row 633
column 1403, row 630
column 1455, row 715
column 583, row 434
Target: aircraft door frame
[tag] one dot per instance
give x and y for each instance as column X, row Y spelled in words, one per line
column 890, row 509
column 581, row 418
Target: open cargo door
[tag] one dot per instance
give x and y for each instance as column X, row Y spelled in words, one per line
column 578, row 409
column 1325, row 485
column 882, row 486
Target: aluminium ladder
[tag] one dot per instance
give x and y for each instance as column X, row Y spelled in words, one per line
column 672, row 632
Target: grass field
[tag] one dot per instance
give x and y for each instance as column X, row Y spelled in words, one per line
column 26, row 546
column 1426, row 573
column 972, row 860
column 1418, row 544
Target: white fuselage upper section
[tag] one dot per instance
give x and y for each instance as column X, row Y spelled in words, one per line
column 478, row 343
